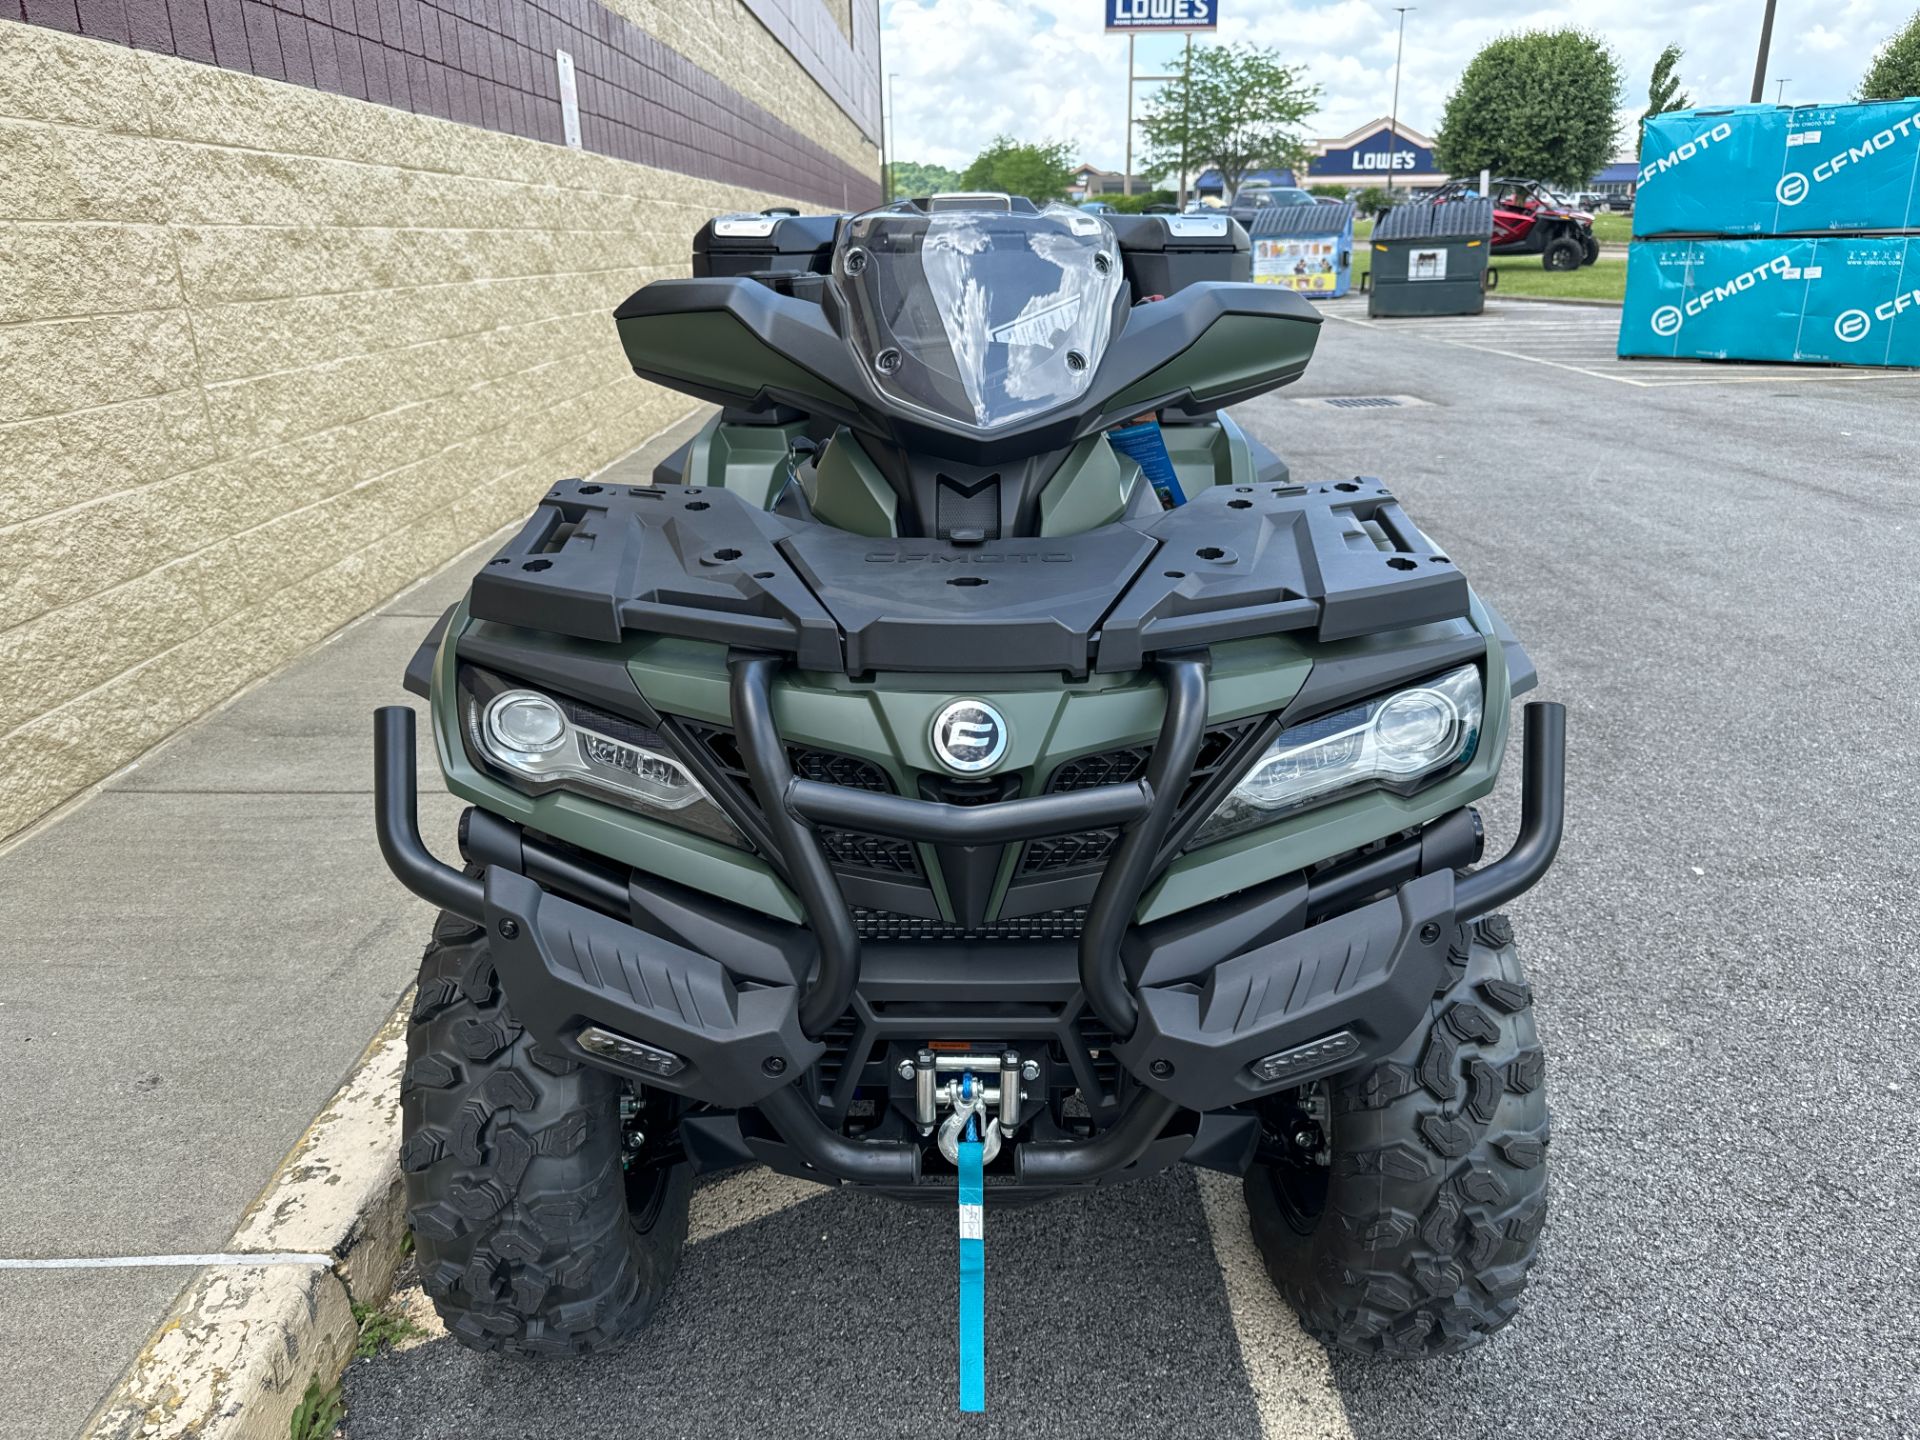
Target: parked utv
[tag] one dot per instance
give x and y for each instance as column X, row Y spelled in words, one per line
column 1529, row 219
column 972, row 734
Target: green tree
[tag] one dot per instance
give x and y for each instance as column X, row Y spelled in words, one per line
column 1137, row 204
column 1040, row 172
column 912, row 177
column 1372, row 200
column 1895, row 72
column 1538, row 105
column 1235, row 108
column 1663, row 89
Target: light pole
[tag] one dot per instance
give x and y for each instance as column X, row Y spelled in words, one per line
column 1760, row 63
column 1127, row 185
column 1186, row 117
column 1393, row 116
column 1780, row 89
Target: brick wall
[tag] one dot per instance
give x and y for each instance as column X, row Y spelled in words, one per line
column 268, row 354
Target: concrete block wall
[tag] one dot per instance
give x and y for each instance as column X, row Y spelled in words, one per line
column 268, row 354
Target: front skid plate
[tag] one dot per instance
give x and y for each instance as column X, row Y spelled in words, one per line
column 561, row 964
column 1370, row 971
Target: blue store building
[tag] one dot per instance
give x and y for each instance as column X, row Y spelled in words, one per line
column 1358, row 160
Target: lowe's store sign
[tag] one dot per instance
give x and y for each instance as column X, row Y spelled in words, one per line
column 1373, row 158
column 1136, row 15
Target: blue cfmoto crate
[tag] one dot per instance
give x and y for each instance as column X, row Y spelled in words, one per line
column 1780, row 170
column 1840, row 299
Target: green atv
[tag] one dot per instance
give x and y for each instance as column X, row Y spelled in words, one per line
column 972, row 761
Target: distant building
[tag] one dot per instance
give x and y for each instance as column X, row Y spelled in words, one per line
column 1618, row 178
column 1090, row 182
column 1367, row 156
column 1358, row 160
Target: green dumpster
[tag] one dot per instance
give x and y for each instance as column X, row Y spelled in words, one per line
column 1431, row 259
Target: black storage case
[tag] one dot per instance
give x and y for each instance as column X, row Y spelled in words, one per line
column 752, row 244
column 1165, row 253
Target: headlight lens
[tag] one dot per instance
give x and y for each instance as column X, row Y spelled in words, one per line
column 523, row 724
column 1396, row 741
column 552, row 743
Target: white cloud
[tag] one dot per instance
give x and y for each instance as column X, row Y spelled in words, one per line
column 966, row 70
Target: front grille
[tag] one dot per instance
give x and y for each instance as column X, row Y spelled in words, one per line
column 875, row 854
column 885, row 925
column 832, row 769
column 1085, row 849
column 1081, row 850
column 838, row 1054
column 1099, row 1042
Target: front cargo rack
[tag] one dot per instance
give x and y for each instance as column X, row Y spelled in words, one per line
column 1339, row 560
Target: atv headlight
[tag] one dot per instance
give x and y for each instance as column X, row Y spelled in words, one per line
column 546, row 742
column 1396, row 741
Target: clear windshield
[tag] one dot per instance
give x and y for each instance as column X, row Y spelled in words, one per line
column 981, row 315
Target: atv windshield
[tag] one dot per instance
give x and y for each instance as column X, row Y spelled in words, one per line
column 983, row 316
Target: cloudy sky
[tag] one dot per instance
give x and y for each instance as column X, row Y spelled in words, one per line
column 1043, row 69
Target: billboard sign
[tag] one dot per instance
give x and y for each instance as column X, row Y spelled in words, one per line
column 1134, row 16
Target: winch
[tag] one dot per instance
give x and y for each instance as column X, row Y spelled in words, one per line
column 965, row 1094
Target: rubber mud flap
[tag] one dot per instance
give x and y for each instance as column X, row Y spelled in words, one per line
column 563, row 965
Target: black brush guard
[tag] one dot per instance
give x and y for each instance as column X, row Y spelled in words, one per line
column 746, row 1044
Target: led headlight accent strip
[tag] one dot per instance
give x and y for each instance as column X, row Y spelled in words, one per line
column 1394, row 741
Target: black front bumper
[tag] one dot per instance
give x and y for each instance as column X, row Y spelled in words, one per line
column 749, row 1012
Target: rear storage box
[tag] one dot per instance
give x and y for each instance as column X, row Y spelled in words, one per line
column 1431, row 259
column 1841, row 299
column 1165, row 253
column 758, row 244
column 1780, row 170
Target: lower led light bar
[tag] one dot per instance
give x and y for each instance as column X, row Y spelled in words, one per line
column 625, row 1050
column 1311, row 1056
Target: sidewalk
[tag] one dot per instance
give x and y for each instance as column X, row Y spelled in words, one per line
column 194, row 957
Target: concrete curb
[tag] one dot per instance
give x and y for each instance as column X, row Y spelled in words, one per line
column 235, row 1355
column 1586, row 301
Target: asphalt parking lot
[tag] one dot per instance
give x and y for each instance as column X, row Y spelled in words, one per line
column 1714, row 572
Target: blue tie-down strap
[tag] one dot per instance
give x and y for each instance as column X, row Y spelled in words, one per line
column 1147, row 447
column 973, row 1272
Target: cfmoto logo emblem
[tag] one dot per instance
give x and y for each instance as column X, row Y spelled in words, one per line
column 1666, row 320
column 969, row 736
column 1792, row 189
column 1852, row 326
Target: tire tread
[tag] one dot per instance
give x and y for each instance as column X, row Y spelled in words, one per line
column 516, row 1193
column 1437, row 1192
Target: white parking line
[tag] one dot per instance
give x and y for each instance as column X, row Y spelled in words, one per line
column 1582, row 341
column 742, row 1199
column 1289, row 1374
column 134, row 1262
